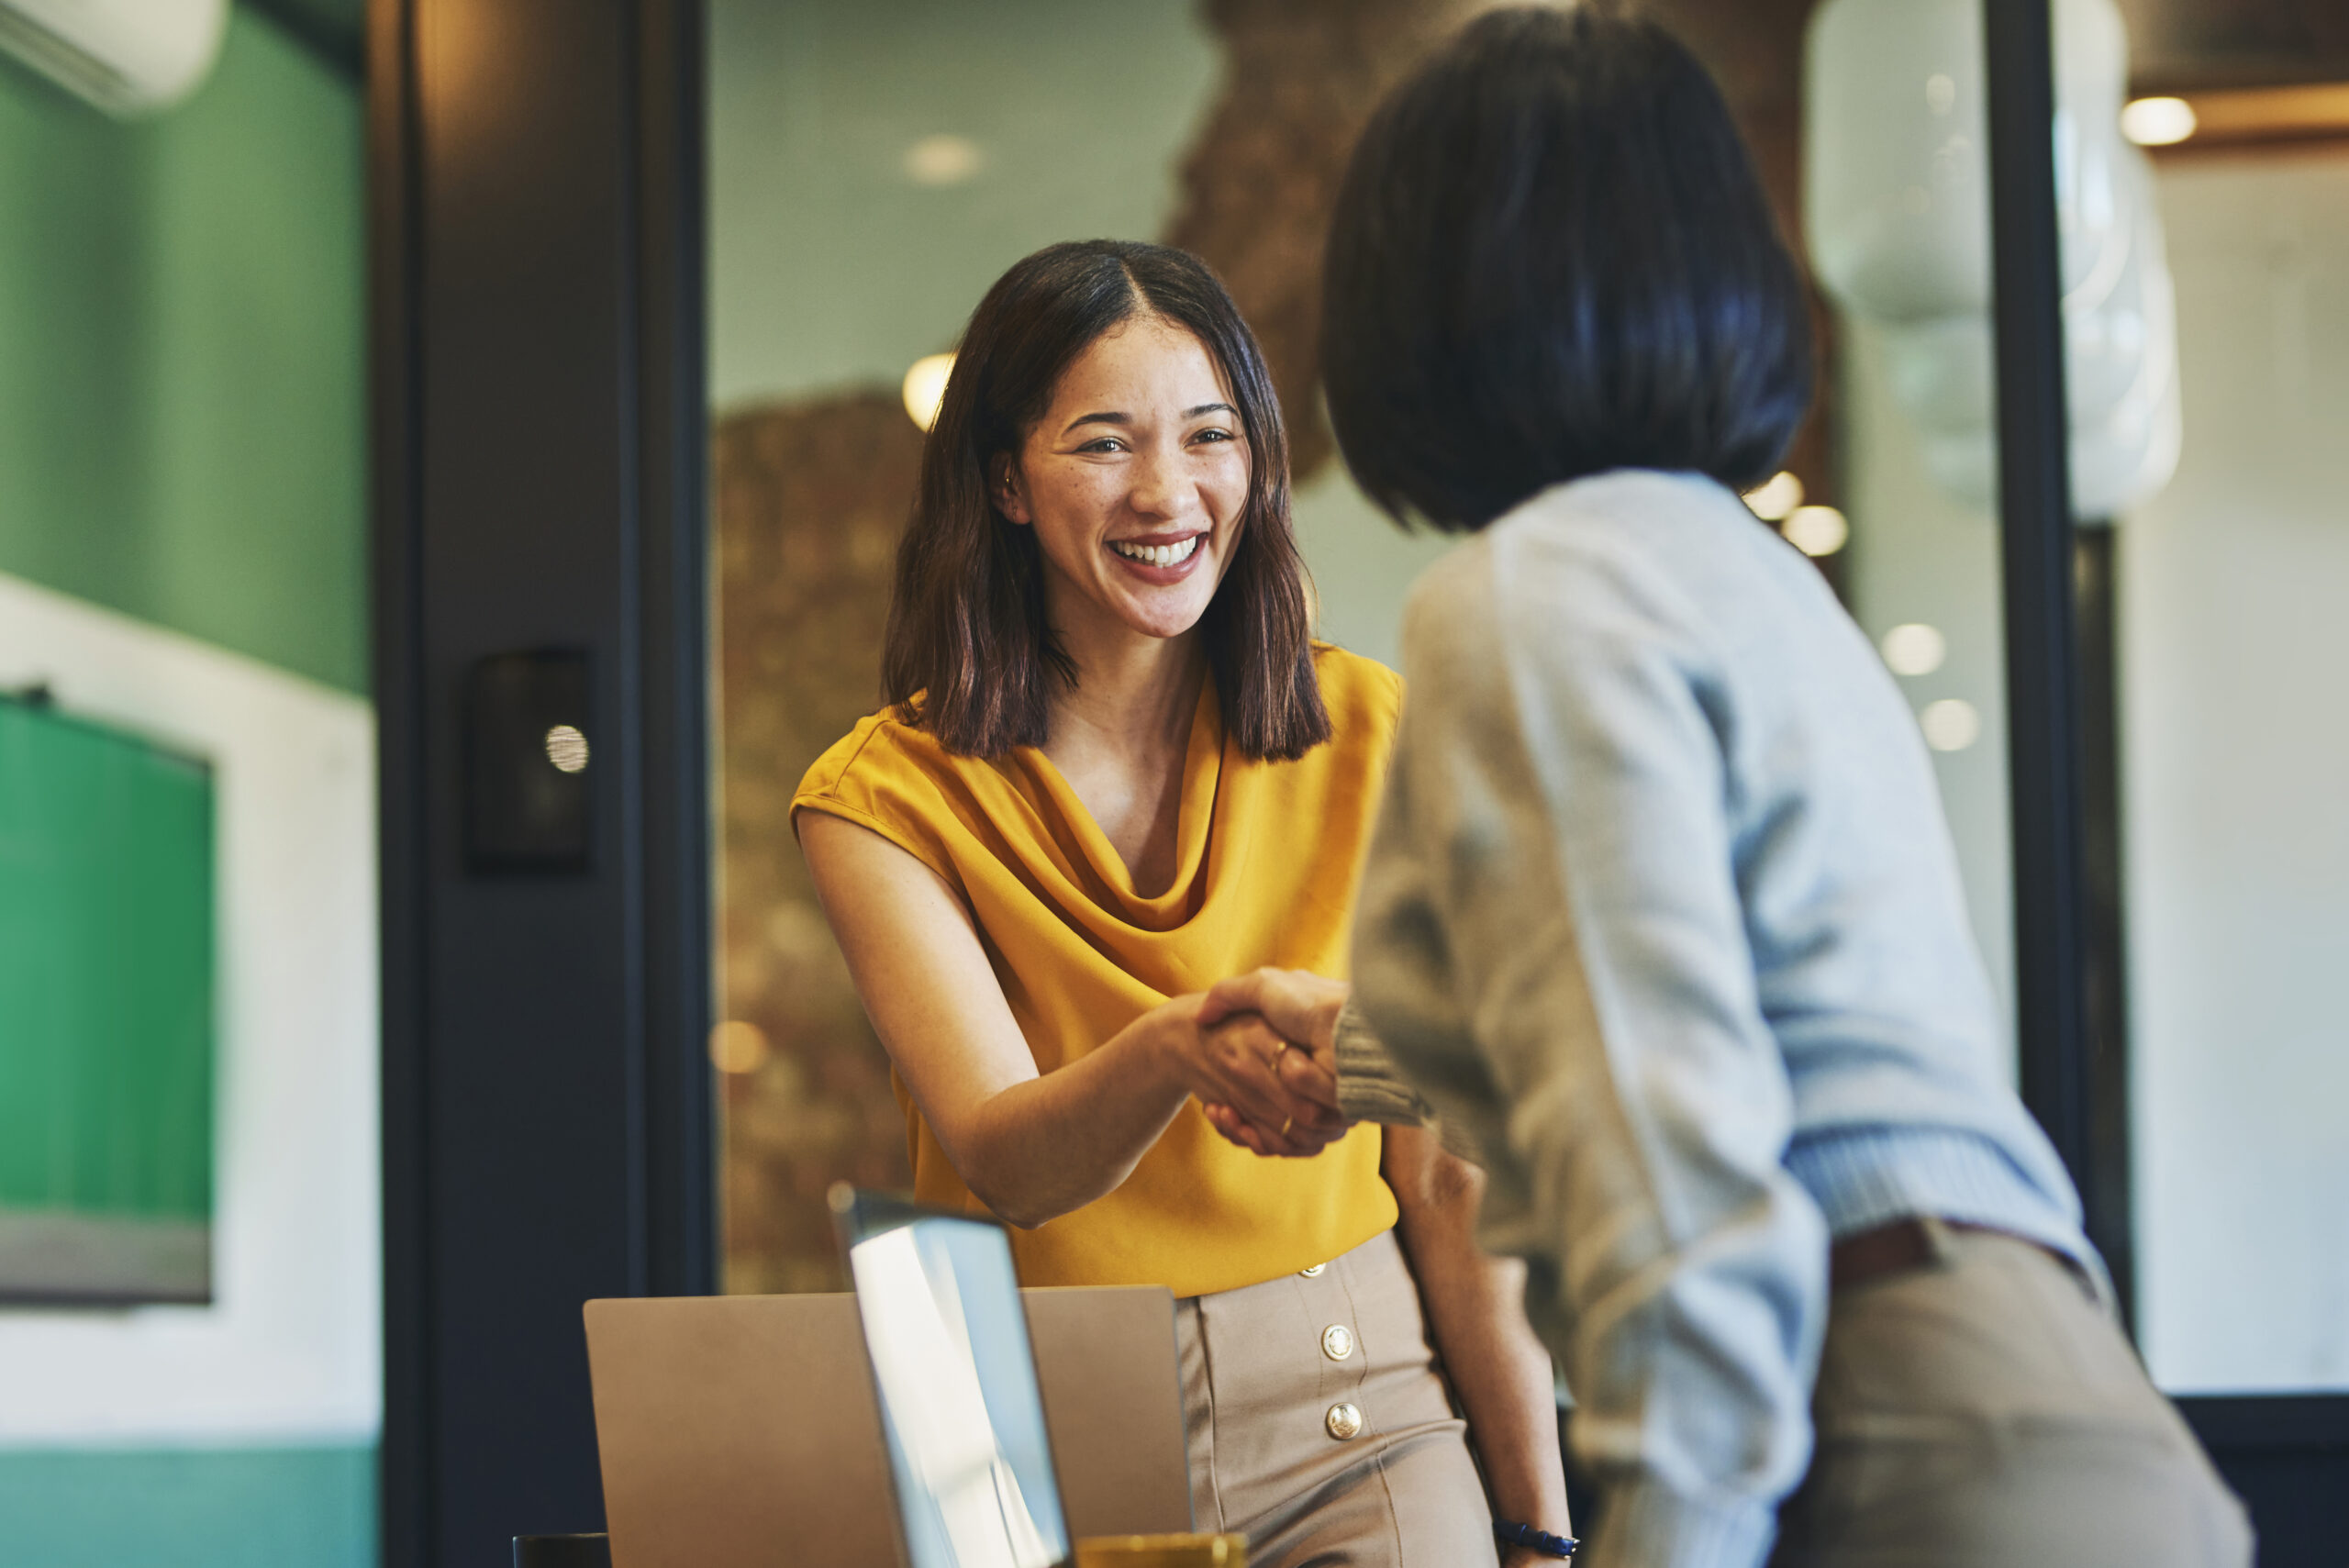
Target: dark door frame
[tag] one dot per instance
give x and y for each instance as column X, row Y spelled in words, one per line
column 2287, row 1455
column 535, row 175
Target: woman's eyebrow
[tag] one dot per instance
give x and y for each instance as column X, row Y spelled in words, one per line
column 1106, row 416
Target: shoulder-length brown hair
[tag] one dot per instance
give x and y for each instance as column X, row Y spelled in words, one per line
column 967, row 628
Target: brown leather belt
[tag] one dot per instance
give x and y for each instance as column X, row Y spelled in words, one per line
column 1896, row 1249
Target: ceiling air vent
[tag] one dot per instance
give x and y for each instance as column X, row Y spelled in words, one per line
column 128, row 57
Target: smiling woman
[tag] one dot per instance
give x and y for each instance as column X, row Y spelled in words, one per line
column 1106, row 708
column 1093, row 373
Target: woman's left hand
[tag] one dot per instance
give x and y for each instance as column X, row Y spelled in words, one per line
column 1301, row 1141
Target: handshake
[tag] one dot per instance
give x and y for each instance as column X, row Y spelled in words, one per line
column 1268, row 1059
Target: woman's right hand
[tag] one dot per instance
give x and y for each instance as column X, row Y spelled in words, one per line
column 1232, row 1063
column 1302, row 1008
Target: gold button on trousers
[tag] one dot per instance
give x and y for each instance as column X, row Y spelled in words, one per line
column 1317, row 1424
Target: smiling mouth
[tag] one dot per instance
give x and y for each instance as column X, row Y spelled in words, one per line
column 1157, row 554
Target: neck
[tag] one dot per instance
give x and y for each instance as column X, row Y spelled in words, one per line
column 1134, row 692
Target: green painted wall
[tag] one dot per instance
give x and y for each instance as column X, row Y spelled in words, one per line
column 183, row 395
column 276, row 1507
column 829, row 266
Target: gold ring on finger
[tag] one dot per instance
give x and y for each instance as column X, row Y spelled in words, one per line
column 1286, row 1124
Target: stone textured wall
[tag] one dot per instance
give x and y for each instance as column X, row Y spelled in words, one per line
column 1300, row 80
column 810, row 500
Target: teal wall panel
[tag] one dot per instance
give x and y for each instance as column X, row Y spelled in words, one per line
column 280, row 1507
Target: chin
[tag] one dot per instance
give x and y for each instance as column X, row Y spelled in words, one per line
column 1165, row 620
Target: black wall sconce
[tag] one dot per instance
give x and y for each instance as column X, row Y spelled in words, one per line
column 530, row 763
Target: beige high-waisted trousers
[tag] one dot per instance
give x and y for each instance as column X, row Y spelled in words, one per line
column 1984, row 1411
column 1317, row 1425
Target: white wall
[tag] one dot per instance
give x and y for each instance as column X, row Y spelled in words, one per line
column 290, row 1351
column 829, row 266
column 2235, row 634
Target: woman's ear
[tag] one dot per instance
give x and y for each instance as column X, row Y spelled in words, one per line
column 1004, row 480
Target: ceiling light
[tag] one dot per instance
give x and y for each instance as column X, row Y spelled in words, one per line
column 1951, row 724
column 2157, row 122
column 1915, row 648
column 1817, row 530
column 926, row 387
column 943, row 159
column 1776, row 497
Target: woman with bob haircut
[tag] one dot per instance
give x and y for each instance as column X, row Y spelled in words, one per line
column 1113, row 768
column 1661, row 912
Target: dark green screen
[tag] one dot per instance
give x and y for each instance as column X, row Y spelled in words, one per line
column 105, row 972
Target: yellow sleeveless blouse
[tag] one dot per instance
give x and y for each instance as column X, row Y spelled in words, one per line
column 1269, row 855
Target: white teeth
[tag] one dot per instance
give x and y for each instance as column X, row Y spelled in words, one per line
column 1158, row 554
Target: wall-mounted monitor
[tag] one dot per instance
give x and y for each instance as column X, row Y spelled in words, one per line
column 106, row 1012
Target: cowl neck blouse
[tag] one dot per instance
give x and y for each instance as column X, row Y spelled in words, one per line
column 1268, row 857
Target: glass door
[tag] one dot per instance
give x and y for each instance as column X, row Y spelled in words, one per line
column 2233, row 818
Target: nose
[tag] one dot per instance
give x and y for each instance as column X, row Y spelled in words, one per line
column 1158, row 485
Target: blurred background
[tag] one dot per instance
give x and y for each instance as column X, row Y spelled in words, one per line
column 226, row 1096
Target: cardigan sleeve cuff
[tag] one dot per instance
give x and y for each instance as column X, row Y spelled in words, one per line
column 1370, row 1089
column 1369, row 1086
column 1643, row 1524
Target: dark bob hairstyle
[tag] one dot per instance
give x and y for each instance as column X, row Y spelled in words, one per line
column 1551, row 257
column 967, row 629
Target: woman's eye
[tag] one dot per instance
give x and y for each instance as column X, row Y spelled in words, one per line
column 1106, row 444
column 1212, row 436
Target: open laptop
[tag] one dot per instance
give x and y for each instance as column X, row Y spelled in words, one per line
column 962, row 1412
column 744, row 1431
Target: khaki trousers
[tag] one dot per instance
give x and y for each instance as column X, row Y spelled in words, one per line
column 1985, row 1409
column 1261, row 1378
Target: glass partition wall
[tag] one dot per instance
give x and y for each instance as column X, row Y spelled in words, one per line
column 872, row 170
column 2131, row 720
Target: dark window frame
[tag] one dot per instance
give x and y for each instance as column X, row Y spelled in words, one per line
column 536, row 173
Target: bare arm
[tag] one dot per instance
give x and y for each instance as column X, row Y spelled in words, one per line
column 1475, row 1314
column 1031, row 1146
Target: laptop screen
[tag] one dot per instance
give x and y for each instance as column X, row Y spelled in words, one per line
column 959, row 1404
